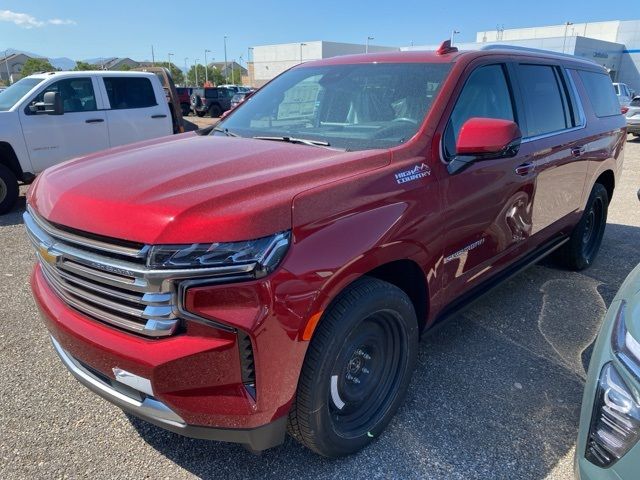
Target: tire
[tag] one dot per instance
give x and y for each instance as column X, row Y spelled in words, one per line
column 215, row 111
column 8, row 189
column 357, row 369
column 186, row 109
column 200, row 114
column 583, row 245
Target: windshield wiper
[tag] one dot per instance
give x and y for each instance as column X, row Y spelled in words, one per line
column 304, row 141
column 225, row 131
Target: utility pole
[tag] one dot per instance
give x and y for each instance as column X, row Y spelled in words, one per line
column 195, row 66
column 366, row 48
column 186, row 70
column 226, row 66
column 301, row 45
column 454, row 32
column 153, row 58
column 564, row 42
column 206, row 66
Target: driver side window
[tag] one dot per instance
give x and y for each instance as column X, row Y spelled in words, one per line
column 486, row 94
column 77, row 94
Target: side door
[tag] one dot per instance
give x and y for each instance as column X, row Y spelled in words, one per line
column 80, row 130
column 136, row 111
column 553, row 140
column 487, row 206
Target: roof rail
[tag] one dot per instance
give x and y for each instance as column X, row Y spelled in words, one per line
column 528, row 49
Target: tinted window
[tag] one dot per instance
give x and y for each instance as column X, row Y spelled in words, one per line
column 485, row 94
column 355, row 107
column 601, row 93
column 211, row 93
column 546, row 108
column 129, row 92
column 76, row 93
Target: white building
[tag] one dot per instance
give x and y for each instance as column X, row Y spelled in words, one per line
column 271, row 60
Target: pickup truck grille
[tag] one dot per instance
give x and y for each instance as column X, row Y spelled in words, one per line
column 105, row 280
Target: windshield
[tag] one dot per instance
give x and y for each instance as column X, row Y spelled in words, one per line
column 16, row 91
column 353, row 107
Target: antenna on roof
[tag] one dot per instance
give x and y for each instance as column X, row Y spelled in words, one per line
column 445, row 47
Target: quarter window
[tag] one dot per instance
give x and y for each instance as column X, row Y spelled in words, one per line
column 77, row 94
column 129, row 92
column 601, row 93
column 546, row 107
column 486, row 94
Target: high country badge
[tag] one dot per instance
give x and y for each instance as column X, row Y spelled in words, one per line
column 416, row 173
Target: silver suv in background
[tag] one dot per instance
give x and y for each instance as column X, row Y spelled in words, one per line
column 623, row 93
column 633, row 117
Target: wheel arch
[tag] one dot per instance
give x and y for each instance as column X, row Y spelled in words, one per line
column 607, row 180
column 9, row 159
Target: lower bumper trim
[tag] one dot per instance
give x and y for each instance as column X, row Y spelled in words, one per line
column 153, row 411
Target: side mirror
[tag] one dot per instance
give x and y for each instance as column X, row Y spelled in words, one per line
column 51, row 105
column 485, row 139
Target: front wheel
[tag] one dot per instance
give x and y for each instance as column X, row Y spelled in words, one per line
column 8, row 189
column 357, row 369
column 215, row 111
column 583, row 245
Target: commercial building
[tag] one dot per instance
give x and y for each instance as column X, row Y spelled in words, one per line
column 271, row 60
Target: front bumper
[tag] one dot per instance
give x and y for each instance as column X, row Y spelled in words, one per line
column 154, row 411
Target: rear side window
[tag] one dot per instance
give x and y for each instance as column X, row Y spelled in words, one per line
column 601, row 93
column 485, row 94
column 211, row 93
column 129, row 92
column 547, row 109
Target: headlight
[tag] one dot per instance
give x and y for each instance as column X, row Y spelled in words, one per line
column 624, row 346
column 615, row 421
column 263, row 253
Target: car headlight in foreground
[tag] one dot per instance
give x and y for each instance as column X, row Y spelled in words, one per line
column 264, row 253
column 615, row 421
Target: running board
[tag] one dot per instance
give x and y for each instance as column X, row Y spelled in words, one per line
column 469, row 298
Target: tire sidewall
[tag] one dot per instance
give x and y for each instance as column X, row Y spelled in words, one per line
column 581, row 260
column 329, row 442
column 10, row 187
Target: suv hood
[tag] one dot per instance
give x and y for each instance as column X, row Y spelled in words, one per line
column 189, row 188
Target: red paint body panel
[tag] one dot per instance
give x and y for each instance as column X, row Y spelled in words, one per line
column 347, row 214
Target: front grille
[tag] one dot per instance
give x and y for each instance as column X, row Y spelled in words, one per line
column 105, row 280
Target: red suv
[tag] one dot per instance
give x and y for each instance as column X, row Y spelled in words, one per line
column 275, row 273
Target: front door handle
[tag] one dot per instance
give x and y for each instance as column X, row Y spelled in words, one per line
column 577, row 151
column 159, row 116
column 94, row 120
column 525, row 168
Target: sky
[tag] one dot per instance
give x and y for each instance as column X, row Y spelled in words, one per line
column 116, row 28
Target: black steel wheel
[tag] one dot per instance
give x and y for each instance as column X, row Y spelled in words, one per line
column 357, row 369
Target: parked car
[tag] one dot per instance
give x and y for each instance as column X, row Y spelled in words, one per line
column 632, row 116
column 184, row 96
column 278, row 272
column 213, row 101
column 51, row 117
column 608, row 445
column 623, row 93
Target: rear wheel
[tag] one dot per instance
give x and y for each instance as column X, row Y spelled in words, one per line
column 215, row 111
column 583, row 245
column 8, row 189
column 357, row 369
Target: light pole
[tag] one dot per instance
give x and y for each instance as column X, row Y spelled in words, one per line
column 301, row 45
column 206, row 69
column 564, row 42
column 195, row 67
column 226, row 66
column 186, row 70
column 6, row 64
column 366, row 47
column 454, row 32
column 169, row 55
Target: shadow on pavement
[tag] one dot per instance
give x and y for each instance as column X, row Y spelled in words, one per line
column 496, row 394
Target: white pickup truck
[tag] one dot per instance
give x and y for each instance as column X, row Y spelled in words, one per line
column 51, row 117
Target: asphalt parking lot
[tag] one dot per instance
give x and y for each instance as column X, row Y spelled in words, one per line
column 496, row 394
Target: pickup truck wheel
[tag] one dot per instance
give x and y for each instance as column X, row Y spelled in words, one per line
column 200, row 114
column 583, row 245
column 357, row 369
column 215, row 111
column 8, row 189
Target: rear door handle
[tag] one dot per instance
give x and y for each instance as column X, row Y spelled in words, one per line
column 94, row 120
column 525, row 168
column 159, row 116
column 577, row 151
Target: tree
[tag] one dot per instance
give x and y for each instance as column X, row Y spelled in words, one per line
column 82, row 66
column 176, row 73
column 213, row 74
column 34, row 65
